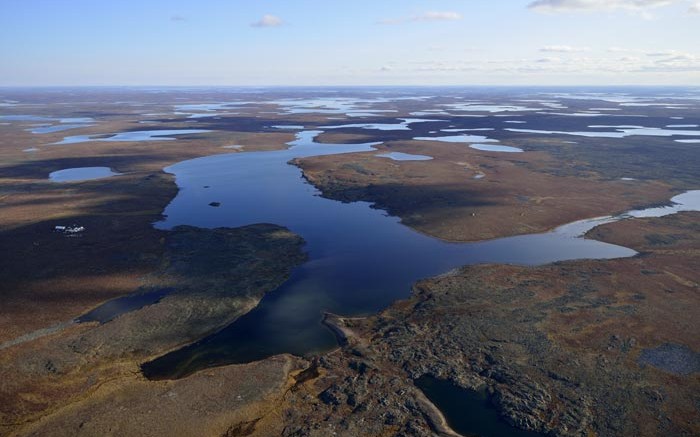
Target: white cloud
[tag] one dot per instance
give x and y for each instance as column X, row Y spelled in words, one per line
column 439, row 16
column 268, row 21
column 678, row 62
column 599, row 5
column 665, row 53
column 563, row 49
column 621, row 50
column 694, row 8
column 671, row 62
column 426, row 16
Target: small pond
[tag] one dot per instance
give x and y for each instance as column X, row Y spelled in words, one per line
column 81, row 174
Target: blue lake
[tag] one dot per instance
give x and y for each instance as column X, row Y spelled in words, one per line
column 146, row 135
column 617, row 132
column 81, row 174
column 56, row 128
column 360, row 259
column 399, row 156
column 495, row 148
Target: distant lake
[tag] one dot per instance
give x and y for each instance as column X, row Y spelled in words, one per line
column 495, row 148
column 56, row 128
column 81, row 174
column 398, row 156
column 146, row 135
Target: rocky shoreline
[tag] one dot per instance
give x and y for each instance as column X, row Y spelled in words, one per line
column 555, row 347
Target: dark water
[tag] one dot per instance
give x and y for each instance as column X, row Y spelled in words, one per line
column 116, row 307
column 468, row 412
column 361, row 259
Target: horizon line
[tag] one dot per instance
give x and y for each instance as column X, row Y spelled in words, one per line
column 363, row 86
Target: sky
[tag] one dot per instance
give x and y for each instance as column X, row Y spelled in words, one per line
column 349, row 42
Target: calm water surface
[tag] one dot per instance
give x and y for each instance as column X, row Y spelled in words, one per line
column 146, row 135
column 468, row 412
column 360, row 259
column 116, row 307
column 400, row 156
column 81, row 174
column 496, row 148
